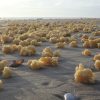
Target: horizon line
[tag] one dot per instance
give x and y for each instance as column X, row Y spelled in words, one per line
column 49, row 17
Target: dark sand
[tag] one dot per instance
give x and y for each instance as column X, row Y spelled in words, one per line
column 50, row 83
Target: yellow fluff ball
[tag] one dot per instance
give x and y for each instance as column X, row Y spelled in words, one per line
column 73, row 44
column 1, row 84
column 27, row 51
column 45, row 60
column 24, row 43
column 43, row 39
column 86, row 30
column 84, row 75
column 23, row 36
column 16, row 41
column 6, row 49
column 34, row 42
column 97, row 40
column 53, row 40
column 97, row 64
column 6, row 39
column 47, row 49
column 86, row 44
column 47, row 52
column 97, row 33
column 60, row 45
column 86, row 52
column 92, row 43
column 7, row 72
column 29, row 62
column 32, row 49
column 14, row 47
column 19, row 47
column 79, row 67
column 35, row 64
column 62, row 39
column 98, row 44
column 3, row 63
column 96, row 57
column 23, row 51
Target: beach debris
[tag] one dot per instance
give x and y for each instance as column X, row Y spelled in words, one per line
column 69, row 96
column 96, row 57
column 47, row 52
column 24, row 43
column 86, row 52
column 60, row 45
column 35, row 64
column 86, row 44
column 8, row 49
column 98, row 44
column 53, row 40
column 7, row 72
column 97, row 64
column 84, row 75
column 5, row 38
column 73, row 44
column 62, row 39
column 16, row 41
column 27, row 51
column 92, row 43
column 16, row 63
column 96, row 33
column 35, row 43
column 45, row 60
column 3, row 63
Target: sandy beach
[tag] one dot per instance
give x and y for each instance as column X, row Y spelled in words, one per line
column 53, row 82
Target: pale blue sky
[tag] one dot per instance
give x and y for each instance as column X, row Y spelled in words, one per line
column 50, row 8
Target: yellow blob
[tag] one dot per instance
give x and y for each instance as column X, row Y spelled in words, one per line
column 45, row 60
column 86, row 44
column 73, row 44
column 7, row 49
column 35, row 64
column 3, row 63
column 96, row 57
column 47, row 52
column 98, row 44
column 97, row 64
column 27, row 51
column 60, row 45
column 7, row 73
column 84, row 75
column 86, row 52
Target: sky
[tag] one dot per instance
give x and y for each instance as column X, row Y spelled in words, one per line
column 50, row 8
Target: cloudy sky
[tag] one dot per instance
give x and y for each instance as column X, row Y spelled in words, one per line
column 50, row 8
